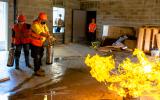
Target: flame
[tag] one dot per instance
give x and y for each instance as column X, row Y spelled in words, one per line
column 130, row 78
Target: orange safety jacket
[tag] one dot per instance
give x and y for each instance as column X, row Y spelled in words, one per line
column 22, row 34
column 92, row 27
column 36, row 38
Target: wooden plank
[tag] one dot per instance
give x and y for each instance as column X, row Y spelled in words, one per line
column 155, row 31
column 158, row 40
column 147, row 40
column 140, row 41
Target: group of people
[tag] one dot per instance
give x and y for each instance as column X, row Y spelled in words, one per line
column 32, row 36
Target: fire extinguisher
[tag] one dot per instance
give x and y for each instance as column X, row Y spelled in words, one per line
column 10, row 60
column 49, row 54
column 49, row 43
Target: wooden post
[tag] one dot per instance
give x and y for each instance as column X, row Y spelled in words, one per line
column 140, row 38
column 155, row 31
column 147, row 40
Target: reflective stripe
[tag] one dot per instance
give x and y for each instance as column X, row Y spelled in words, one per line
column 22, row 34
column 37, row 29
column 38, row 38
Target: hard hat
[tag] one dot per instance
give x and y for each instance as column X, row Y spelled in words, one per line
column 21, row 18
column 42, row 16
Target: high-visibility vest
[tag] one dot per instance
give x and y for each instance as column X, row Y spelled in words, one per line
column 22, row 34
column 36, row 38
column 92, row 27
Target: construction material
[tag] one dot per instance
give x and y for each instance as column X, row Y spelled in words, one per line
column 146, row 38
column 113, row 48
column 130, row 43
column 158, row 40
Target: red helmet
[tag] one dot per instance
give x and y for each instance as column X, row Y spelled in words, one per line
column 21, row 18
column 42, row 16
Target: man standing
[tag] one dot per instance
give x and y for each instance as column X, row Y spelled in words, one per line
column 20, row 38
column 60, row 23
column 40, row 33
column 92, row 31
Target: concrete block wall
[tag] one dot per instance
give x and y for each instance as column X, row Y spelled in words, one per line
column 31, row 9
column 132, row 13
column 70, row 5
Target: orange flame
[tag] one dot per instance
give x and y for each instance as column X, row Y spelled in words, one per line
column 136, row 77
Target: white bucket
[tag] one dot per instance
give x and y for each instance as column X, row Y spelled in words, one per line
column 155, row 53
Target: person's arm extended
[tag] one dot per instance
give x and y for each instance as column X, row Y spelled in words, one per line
column 45, row 34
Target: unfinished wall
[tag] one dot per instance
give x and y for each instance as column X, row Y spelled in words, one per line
column 132, row 13
column 70, row 5
column 31, row 9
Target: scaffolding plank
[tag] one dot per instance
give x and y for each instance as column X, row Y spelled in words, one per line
column 140, row 38
column 147, row 40
column 158, row 40
column 155, row 31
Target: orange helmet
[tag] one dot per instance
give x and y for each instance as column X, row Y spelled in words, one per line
column 21, row 18
column 42, row 16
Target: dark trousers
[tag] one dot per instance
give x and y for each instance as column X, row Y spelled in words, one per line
column 18, row 53
column 91, row 37
column 58, row 29
column 37, row 54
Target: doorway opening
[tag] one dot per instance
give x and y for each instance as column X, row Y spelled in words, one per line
column 3, row 26
column 59, row 23
column 90, row 16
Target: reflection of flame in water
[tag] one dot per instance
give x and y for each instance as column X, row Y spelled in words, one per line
column 58, row 70
column 130, row 78
column 45, row 97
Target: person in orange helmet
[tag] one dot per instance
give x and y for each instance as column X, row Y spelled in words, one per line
column 92, row 31
column 40, row 33
column 20, row 39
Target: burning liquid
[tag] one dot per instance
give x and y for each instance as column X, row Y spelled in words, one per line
column 130, row 78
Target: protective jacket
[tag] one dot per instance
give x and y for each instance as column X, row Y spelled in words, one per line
column 21, row 34
column 37, row 28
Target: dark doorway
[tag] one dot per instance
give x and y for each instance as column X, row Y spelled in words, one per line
column 90, row 15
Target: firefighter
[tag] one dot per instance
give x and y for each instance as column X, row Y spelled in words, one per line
column 40, row 33
column 20, row 38
column 92, row 31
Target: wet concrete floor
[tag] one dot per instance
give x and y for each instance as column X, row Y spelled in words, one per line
column 68, row 78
